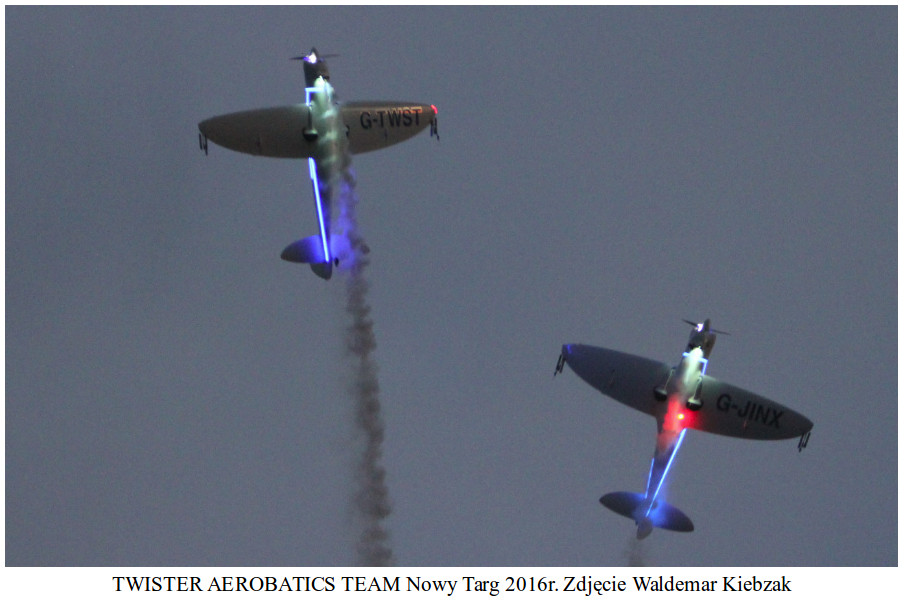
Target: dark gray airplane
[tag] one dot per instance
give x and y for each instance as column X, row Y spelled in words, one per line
column 324, row 132
column 678, row 398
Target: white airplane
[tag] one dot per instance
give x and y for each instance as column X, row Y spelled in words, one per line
column 678, row 398
column 325, row 133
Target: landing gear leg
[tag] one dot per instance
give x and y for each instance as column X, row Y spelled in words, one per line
column 560, row 362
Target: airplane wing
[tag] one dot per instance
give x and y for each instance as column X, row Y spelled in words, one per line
column 272, row 132
column 629, row 379
column 279, row 131
column 374, row 124
column 726, row 409
column 733, row 411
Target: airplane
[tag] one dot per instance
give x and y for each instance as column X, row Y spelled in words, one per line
column 324, row 132
column 679, row 398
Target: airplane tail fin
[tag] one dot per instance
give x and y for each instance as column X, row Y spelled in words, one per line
column 635, row 506
column 309, row 250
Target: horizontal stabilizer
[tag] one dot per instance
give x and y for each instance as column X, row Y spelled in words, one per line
column 309, row 250
column 634, row 505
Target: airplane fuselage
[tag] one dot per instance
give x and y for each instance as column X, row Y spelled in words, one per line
column 328, row 162
column 680, row 388
column 328, row 124
column 683, row 386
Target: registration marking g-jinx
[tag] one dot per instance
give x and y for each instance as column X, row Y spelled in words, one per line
column 752, row 411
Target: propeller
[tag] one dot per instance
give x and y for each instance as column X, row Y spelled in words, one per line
column 701, row 326
column 314, row 66
column 313, row 55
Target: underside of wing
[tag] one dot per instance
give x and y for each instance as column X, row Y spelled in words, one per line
column 733, row 411
column 281, row 132
column 374, row 124
column 629, row 379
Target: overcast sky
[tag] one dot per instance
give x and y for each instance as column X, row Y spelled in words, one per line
column 177, row 395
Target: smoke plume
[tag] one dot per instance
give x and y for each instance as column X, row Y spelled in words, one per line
column 371, row 502
column 635, row 552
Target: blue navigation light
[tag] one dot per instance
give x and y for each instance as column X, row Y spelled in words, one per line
column 679, row 441
column 313, row 171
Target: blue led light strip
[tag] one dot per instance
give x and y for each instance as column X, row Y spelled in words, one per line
column 313, row 171
column 701, row 360
column 679, row 441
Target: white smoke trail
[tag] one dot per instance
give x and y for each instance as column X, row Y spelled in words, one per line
column 371, row 503
column 636, row 553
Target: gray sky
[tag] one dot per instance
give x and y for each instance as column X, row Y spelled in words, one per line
column 175, row 392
